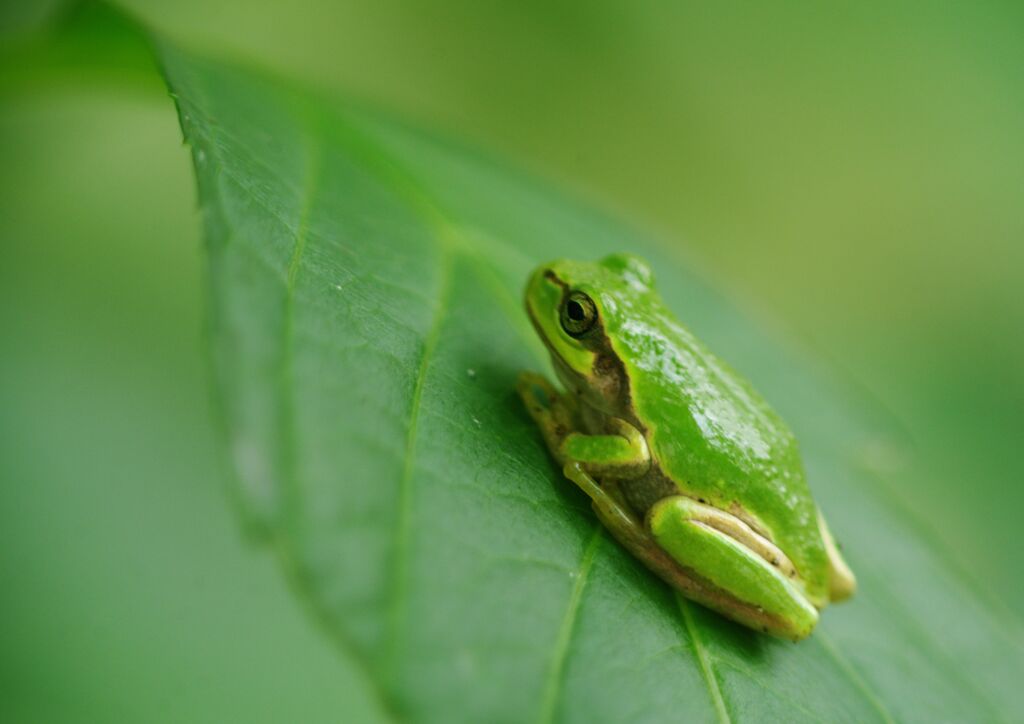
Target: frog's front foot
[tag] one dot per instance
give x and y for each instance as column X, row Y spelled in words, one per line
column 537, row 394
column 548, row 410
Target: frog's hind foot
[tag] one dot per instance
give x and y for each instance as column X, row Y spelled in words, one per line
column 841, row 582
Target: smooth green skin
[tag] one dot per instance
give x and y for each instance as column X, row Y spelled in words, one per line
column 686, row 464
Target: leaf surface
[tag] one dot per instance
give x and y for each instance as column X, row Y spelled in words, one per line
column 366, row 328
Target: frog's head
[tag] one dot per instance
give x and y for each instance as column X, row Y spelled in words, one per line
column 571, row 304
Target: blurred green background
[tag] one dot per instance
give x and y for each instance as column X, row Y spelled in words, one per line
column 853, row 175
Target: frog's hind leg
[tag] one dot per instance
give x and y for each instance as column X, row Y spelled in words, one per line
column 841, row 581
column 749, row 582
column 613, row 514
column 646, row 545
column 631, row 533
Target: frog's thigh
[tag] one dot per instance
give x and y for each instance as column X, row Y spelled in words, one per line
column 730, row 566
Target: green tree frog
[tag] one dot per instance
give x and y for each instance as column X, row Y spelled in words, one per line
column 685, row 464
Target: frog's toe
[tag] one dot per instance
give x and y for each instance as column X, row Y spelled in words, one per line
column 841, row 582
column 536, row 392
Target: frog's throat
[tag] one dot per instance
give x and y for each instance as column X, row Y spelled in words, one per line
column 606, row 387
column 572, row 380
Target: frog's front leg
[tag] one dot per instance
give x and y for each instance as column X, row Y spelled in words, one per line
column 610, row 457
column 621, row 453
column 549, row 409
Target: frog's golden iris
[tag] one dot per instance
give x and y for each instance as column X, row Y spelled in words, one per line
column 578, row 314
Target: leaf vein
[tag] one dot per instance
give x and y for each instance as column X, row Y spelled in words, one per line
column 706, row 668
column 847, row 668
column 403, row 522
column 553, row 685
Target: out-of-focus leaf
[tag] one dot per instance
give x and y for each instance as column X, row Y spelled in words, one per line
column 81, row 43
column 366, row 333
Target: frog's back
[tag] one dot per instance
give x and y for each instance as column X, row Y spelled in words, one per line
column 712, row 434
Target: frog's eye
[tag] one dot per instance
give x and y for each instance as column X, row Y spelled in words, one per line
column 579, row 314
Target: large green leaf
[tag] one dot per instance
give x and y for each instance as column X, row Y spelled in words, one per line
column 366, row 333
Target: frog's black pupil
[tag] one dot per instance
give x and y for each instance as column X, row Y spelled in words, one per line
column 576, row 312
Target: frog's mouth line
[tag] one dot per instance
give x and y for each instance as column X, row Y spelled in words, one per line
column 536, row 325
